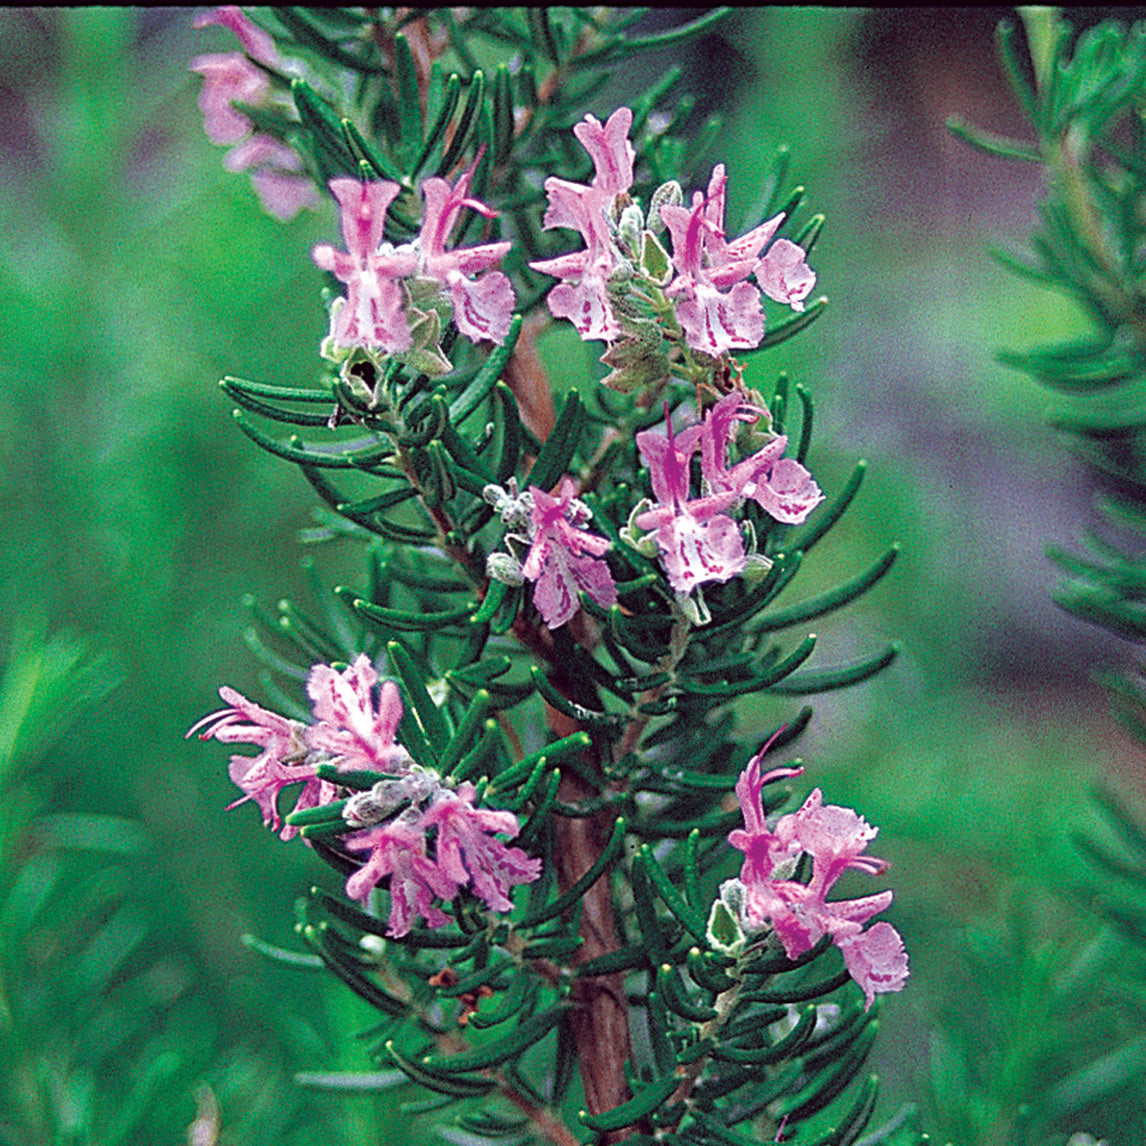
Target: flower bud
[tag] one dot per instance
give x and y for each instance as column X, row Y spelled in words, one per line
column 505, row 568
column 669, row 193
column 630, row 226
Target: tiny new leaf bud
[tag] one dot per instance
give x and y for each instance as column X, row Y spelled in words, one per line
column 756, row 569
column 655, row 261
column 426, row 334
column 670, row 193
column 724, row 931
column 634, row 537
column 505, row 568
column 634, row 366
column 632, row 223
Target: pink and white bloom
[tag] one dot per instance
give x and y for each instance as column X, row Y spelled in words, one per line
column 583, row 298
column 257, row 44
column 483, row 306
column 373, row 313
column 781, row 486
column 398, row 851
column 281, row 761
column 277, row 174
column 426, row 838
column 696, row 539
column 784, row 275
column 799, row 914
column 349, row 730
column 468, row 851
column 564, row 558
column 230, row 78
column 717, row 308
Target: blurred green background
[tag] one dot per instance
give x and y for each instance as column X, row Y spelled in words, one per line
column 134, row 517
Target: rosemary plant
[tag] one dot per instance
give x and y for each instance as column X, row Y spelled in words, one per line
column 1084, row 96
column 1084, row 100
column 519, row 750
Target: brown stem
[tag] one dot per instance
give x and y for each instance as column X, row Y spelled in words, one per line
column 600, row 1021
column 526, row 376
column 543, row 1119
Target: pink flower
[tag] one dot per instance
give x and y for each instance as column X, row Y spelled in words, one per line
column 469, row 854
column 281, row 761
column 373, row 313
column 564, row 558
column 781, row 486
column 466, row 854
column 274, row 167
column 228, row 77
column 483, row 306
column 256, row 43
column 718, row 309
column 697, row 541
column 800, row 914
column 396, row 819
column 784, row 275
column 231, row 77
column 398, row 850
column 583, row 297
column 348, row 729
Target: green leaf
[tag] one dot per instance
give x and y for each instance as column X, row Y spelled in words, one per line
column 511, row 1046
column 292, row 450
column 827, row 679
column 351, row 1082
column 409, row 104
column 304, row 31
column 991, row 143
column 455, row 1086
column 553, row 461
column 326, row 130
column 642, row 1104
column 557, row 750
column 608, row 857
column 450, row 100
column 622, row 48
column 470, row 726
column 474, row 102
column 593, row 718
column 300, row 960
column 247, row 400
column 362, row 149
column 694, row 923
column 406, row 621
column 826, row 602
column 487, row 377
column 418, row 704
column 671, row 988
column 856, row 1119
column 765, row 680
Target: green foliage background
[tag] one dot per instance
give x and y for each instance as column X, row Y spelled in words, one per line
column 134, row 518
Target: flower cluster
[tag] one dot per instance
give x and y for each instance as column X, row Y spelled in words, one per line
column 562, row 556
column 420, row 831
column 623, row 276
column 230, row 78
column 399, row 298
column 696, row 539
column 767, row 898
